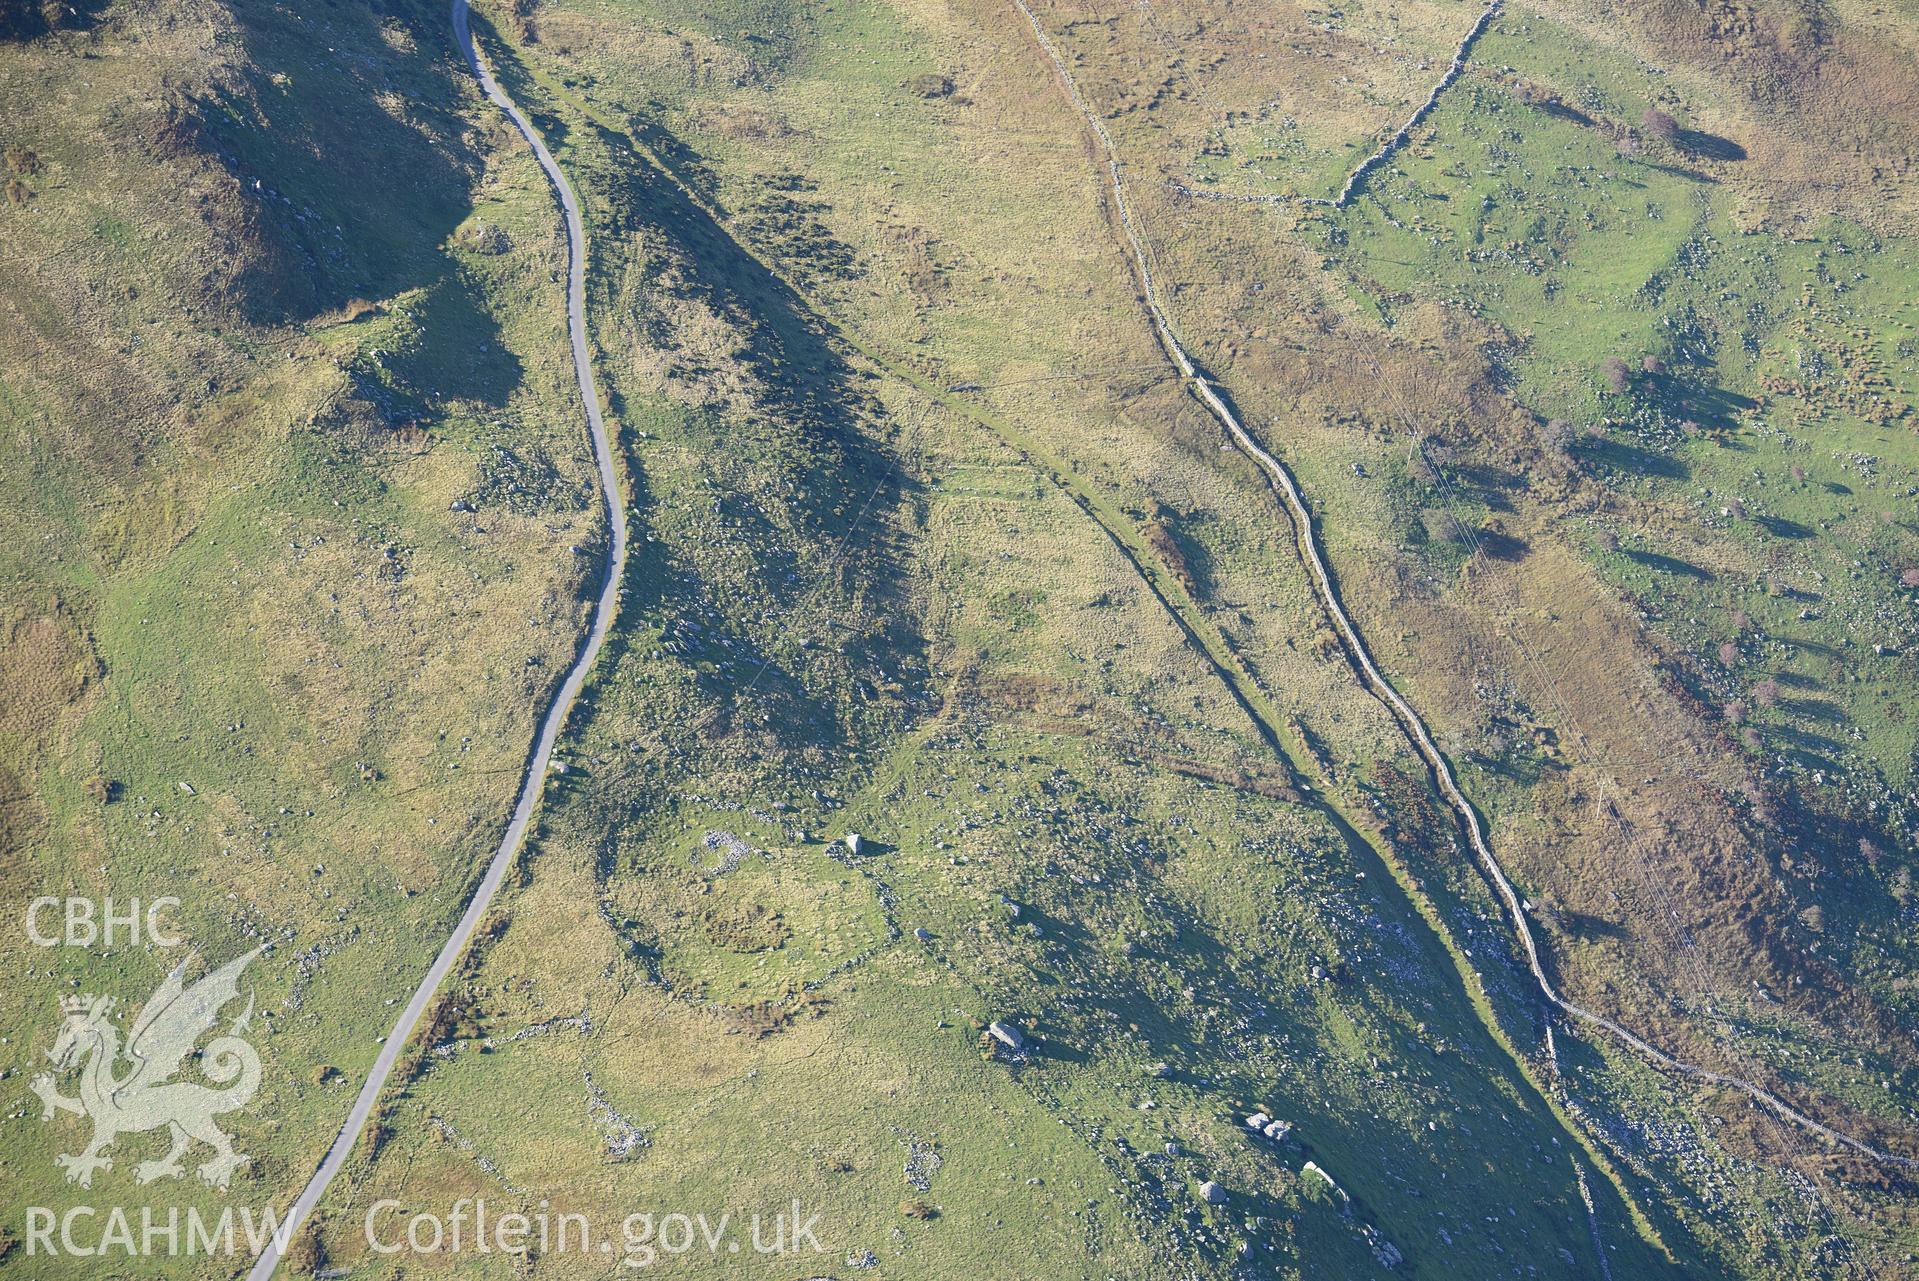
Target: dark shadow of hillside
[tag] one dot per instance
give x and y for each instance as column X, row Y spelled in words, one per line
column 23, row 20
column 795, row 369
column 1708, row 146
column 782, row 415
column 1670, row 565
column 1560, row 110
column 1680, row 171
column 1486, row 483
column 1691, row 393
column 1780, row 527
column 1620, row 455
column 348, row 147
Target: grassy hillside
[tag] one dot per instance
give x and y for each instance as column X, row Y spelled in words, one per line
column 287, row 449
column 963, row 675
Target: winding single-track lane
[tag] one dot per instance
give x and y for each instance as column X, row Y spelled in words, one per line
column 532, row 785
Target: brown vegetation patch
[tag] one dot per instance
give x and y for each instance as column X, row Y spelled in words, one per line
column 765, row 1018
column 46, row 664
column 1825, row 107
column 744, row 927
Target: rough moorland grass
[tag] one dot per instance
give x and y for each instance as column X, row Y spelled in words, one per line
column 1774, row 440
column 1066, row 737
column 230, row 519
column 1758, row 474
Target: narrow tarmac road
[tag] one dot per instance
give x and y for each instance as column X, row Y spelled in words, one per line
column 533, row 783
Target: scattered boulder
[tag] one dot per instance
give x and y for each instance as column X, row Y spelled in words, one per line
column 485, row 239
column 1261, row 1124
column 1006, row 1034
column 1211, row 1193
column 1385, row 1252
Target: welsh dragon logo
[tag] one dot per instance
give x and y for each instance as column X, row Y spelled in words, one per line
column 146, row 1096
